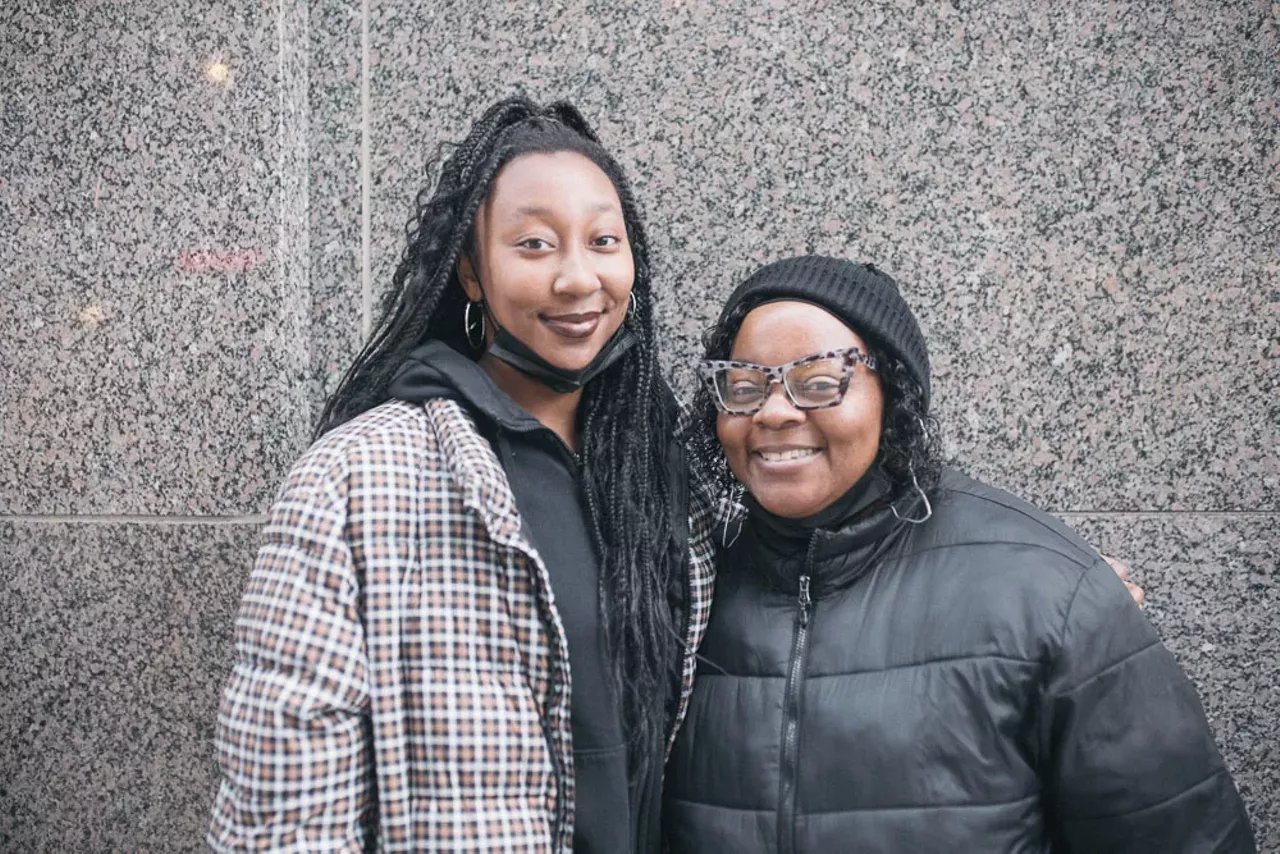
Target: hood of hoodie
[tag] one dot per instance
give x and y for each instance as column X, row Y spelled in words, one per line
column 436, row 370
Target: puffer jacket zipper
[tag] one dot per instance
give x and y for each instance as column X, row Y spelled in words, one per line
column 791, row 710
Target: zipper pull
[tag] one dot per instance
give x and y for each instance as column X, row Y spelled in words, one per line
column 805, row 601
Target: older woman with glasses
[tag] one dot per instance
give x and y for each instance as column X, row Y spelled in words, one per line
column 899, row 658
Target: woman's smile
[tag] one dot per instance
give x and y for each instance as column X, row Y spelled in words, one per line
column 784, row 458
column 573, row 326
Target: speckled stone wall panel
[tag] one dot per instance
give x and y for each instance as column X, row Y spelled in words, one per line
column 117, row 641
column 153, row 301
column 1082, row 201
column 1213, row 592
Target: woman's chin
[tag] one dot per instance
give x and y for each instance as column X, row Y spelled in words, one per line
column 789, row 506
column 570, row 353
column 574, row 356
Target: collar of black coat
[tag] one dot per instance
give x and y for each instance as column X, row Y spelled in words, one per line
column 834, row 547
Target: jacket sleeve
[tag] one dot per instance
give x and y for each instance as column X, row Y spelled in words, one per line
column 1131, row 764
column 293, row 742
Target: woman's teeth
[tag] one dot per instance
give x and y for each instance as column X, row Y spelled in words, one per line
column 783, row 456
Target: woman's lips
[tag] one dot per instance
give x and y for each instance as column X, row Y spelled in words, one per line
column 573, row 325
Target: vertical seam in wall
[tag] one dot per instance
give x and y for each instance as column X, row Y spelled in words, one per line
column 293, row 165
column 282, row 173
column 366, row 263
column 302, row 236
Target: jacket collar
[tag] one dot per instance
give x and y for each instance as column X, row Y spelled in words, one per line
column 834, row 547
column 477, row 472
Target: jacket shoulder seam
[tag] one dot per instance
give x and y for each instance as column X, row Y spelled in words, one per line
column 888, row 668
column 866, row 809
column 1217, row 772
column 1075, row 559
column 1021, row 512
column 1112, row 666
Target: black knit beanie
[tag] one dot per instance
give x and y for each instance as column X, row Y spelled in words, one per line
column 866, row 299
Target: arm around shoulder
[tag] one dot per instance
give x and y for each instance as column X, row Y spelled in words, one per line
column 1130, row 764
column 292, row 739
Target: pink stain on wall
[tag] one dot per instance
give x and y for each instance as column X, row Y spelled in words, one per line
column 218, row 260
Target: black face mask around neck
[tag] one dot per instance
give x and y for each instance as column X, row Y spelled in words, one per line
column 511, row 350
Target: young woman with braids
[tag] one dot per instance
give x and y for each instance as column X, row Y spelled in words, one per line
column 496, row 501
column 899, row 658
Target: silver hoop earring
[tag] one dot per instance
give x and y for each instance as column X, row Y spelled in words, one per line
column 473, row 330
column 928, row 508
column 923, row 430
column 733, row 516
column 631, row 309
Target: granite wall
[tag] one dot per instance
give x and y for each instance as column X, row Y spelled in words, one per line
column 199, row 204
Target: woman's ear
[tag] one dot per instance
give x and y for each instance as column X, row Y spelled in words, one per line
column 470, row 283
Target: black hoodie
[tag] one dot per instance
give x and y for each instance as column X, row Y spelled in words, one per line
column 545, row 478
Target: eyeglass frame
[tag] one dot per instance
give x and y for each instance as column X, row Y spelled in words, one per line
column 850, row 356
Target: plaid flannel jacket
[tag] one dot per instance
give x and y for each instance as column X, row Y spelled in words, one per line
column 401, row 680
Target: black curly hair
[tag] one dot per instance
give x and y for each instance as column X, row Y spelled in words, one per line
column 626, row 418
column 910, row 437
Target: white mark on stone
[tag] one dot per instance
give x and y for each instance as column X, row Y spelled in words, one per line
column 217, row 71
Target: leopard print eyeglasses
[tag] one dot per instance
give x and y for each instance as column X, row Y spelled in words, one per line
column 813, row 382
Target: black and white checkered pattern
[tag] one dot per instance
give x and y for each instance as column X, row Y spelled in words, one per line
column 402, row 677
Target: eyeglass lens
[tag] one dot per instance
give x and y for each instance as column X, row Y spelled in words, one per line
column 811, row 385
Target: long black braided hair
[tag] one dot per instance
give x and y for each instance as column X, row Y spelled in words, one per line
column 626, row 418
column 910, row 437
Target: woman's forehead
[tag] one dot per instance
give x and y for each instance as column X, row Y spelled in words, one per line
column 782, row 331
column 544, row 181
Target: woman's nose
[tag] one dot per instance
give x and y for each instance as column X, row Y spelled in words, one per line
column 577, row 275
column 778, row 410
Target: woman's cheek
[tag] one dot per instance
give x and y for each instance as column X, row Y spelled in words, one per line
column 733, row 439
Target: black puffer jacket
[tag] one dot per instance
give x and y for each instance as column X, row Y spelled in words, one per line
column 981, row 682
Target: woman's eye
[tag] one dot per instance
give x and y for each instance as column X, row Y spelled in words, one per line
column 744, row 391
column 606, row 240
column 535, row 243
column 820, row 385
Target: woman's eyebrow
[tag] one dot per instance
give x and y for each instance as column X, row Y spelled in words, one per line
column 532, row 210
column 542, row 211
